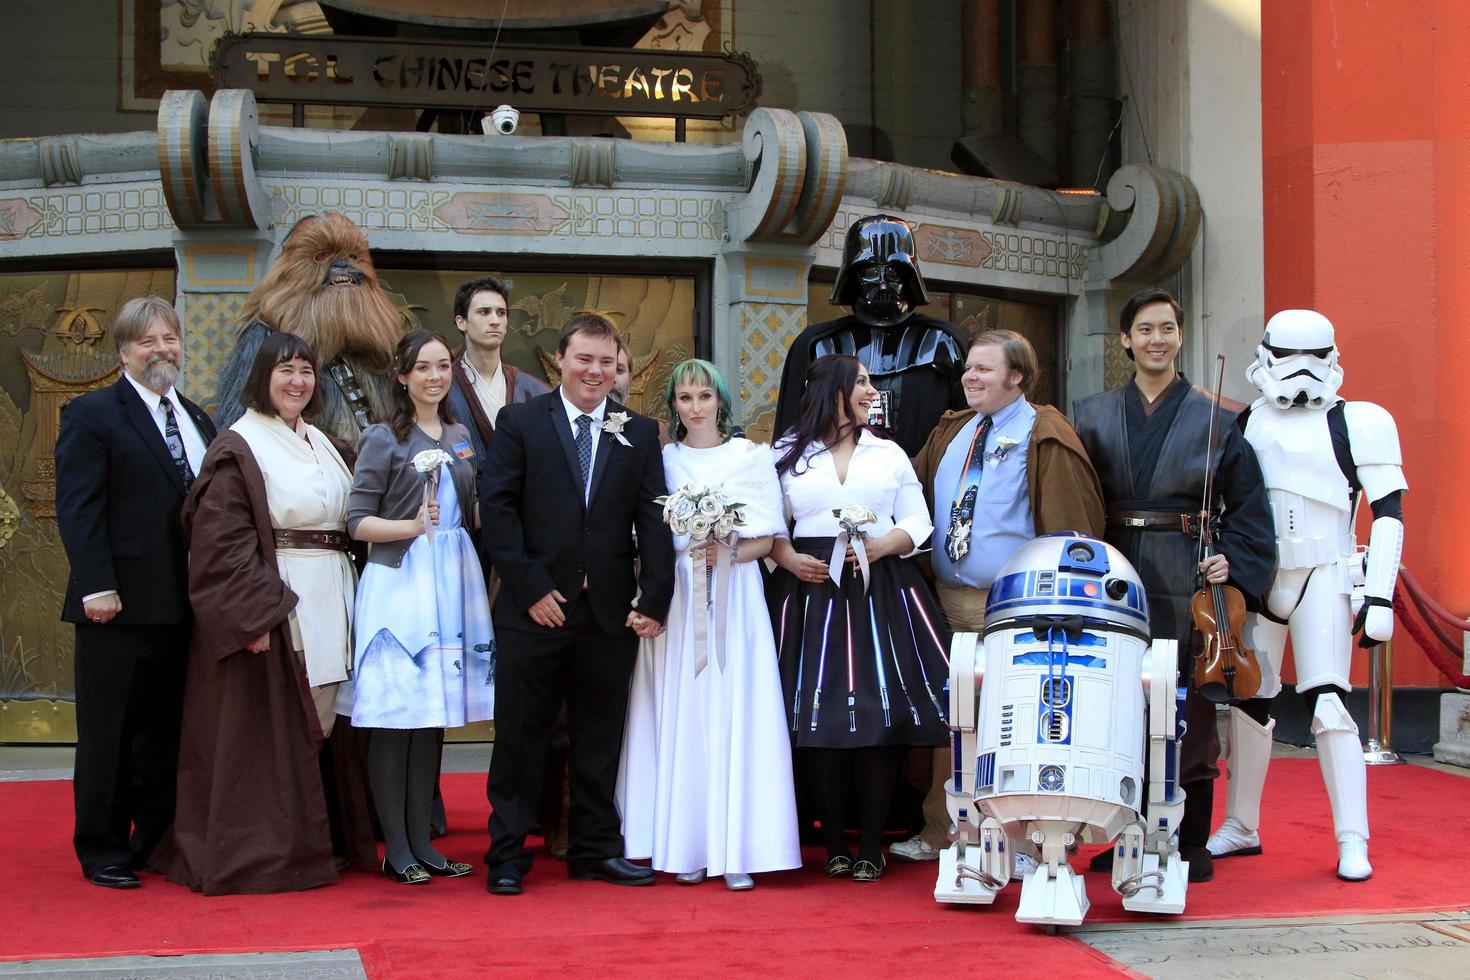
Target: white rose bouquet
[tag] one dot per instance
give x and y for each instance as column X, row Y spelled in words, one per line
column 430, row 463
column 706, row 514
column 851, row 520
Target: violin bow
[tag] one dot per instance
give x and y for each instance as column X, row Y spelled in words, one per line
column 1206, row 534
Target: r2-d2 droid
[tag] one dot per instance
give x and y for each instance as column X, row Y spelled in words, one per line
column 1051, row 716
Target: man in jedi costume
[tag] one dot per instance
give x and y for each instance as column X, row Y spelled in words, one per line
column 1148, row 440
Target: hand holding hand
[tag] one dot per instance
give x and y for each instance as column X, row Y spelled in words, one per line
column 645, row 626
column 103, row 608
column 547, row 610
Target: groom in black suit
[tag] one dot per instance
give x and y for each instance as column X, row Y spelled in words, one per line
column 569, row 477
column 125, row 457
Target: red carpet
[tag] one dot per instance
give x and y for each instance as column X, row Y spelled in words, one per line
column 796, row 923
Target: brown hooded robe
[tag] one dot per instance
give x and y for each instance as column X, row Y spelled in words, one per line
column 251, row 814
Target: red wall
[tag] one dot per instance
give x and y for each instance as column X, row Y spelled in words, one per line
column 1365, row 119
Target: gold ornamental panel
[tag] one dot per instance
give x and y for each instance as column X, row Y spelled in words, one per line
column 55, row 344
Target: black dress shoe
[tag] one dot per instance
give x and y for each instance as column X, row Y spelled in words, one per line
column 114, row 876
column 614, row 871
column 503, row 883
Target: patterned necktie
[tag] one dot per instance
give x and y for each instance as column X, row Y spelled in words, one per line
column 584, row 448
column 962, row 514
column 176, row 443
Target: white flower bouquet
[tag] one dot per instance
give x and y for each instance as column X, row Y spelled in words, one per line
column 851, row 520
column 704, row 513
column 430, row 463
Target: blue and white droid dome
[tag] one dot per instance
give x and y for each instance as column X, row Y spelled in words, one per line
column 1065, row 575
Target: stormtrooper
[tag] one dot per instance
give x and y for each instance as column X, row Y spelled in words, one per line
column 1065, row 727
column 1320, row 456
column 914, row 360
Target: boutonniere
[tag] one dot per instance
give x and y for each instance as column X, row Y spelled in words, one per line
column 1003, row 447
column 613, row 426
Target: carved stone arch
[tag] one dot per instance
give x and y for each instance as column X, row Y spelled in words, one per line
column 234, row 134
column 1163, row 219
column 826, row 176
column 775, row 147
column 182, row 166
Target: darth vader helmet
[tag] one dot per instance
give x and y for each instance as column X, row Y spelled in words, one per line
column 880, row 276
column 1296, row 363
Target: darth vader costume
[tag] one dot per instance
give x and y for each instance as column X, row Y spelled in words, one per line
column 913, row 359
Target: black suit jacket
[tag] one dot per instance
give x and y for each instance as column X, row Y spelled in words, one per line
column 118, row 498
column 539, row 535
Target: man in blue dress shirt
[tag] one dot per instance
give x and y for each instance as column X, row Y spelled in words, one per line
column 997, row 474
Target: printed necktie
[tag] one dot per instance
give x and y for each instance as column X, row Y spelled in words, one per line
column 584, row 448
column 176, row 443
column 962, row 513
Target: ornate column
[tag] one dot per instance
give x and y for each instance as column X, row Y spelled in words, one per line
column 799, row 161
column 224, row 239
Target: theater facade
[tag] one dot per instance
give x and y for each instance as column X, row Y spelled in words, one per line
column 689, row 167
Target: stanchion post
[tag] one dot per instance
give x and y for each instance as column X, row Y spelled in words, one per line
column 1379, row 750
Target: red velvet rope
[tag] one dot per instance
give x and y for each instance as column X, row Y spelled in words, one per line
column 1438, row 628
column 1437, row 656
column 1428, row 606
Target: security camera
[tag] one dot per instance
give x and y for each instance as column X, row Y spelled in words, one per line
column 503, row 120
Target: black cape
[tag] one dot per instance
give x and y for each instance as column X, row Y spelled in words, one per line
column 928, row 390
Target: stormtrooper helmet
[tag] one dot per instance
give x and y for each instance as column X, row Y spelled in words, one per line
column 1296, row 362
column 880, row 275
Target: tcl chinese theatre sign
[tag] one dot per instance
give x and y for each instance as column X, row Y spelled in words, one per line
column 418, row 74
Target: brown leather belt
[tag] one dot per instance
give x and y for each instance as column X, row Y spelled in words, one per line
column 292, row 538
column 1154, row 520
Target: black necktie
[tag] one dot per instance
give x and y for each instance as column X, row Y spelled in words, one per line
column 584, row 448
column 176, row 443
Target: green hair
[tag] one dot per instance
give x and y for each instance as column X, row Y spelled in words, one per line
column 700, row 372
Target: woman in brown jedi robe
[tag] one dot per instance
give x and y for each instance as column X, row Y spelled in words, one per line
column 271, row 586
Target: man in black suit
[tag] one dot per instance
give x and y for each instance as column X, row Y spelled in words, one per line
column 569, row 476
column 125, row 457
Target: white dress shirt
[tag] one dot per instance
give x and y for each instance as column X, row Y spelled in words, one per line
column 193, row 442
column 573, row 413
column 879, row 477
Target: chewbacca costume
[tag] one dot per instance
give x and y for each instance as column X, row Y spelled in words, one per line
column 324, row 289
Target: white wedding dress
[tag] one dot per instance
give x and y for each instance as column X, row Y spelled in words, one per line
column 705, row 780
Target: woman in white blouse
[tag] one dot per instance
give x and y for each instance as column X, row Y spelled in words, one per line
column 864, row 655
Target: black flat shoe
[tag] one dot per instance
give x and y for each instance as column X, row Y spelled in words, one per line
column 839, row 866
column 868, row 871
column 451, row 869
column 114, row 876
column 414, row 874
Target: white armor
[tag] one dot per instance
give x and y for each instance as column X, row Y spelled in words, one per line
column 1050, row 749
column 1322, row 580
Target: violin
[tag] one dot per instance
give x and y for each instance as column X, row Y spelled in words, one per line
column 1226, row 671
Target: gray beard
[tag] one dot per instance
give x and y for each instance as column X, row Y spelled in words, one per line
column 160, row 376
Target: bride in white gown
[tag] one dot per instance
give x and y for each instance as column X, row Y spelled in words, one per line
column 705, row 781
